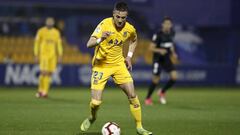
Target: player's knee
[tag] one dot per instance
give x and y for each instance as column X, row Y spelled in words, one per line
column 49, row 73
column 95, row 103
column 173, row 75
column 173, row 79
column 44, row 73
column 155, row 79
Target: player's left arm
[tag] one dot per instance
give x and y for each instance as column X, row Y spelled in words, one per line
column 59, row 48
column 37, row 43
column 173, row 51
column 174, row 56
column 131, row 49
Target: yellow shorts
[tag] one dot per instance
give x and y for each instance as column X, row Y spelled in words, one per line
column 100, row 75
column 48, row 64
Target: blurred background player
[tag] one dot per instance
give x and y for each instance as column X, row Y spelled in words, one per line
column 108, row 61
column 162, row 47
column 47, row 51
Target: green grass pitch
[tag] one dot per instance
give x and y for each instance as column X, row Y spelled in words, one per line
column 190, row 111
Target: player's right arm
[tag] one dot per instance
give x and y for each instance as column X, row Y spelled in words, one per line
column 154, row 49
column 37, row 43
column 59, row 47
column 131, row 49
column 94, row 41
column 153, row 46
column 98, row 36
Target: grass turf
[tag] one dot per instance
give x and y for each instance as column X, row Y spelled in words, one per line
column 190, row 111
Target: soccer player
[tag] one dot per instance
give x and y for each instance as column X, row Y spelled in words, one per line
column 108, row 61
column 162, row 47
column 47, row 50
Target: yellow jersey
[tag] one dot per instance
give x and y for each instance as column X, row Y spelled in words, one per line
column 110, row 51
column 48, row 43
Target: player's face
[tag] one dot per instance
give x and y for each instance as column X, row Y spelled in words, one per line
column 167, row 25
column 120, row 18
column 50, row 22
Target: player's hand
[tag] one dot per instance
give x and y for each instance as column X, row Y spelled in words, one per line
column 105, row 34
column 36, row 59
column 162, row 51
column 59, row 59
column 175, row 56
column 128, row 63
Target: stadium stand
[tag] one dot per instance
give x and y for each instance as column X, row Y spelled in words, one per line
column 20, row 50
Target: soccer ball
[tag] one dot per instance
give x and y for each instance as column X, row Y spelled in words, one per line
column 111, row 128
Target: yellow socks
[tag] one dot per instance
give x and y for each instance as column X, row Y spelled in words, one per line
column 94, row 106
column 135, row 109
column 41, row 83
column 44, row 83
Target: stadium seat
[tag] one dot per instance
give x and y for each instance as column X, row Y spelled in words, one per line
column 20, row 50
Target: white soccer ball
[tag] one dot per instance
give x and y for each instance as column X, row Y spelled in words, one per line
column 111, row 128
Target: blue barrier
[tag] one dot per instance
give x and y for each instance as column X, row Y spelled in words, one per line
column 79, row 75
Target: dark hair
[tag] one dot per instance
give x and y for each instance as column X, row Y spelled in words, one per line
column 167, row 18
column 121, row 6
